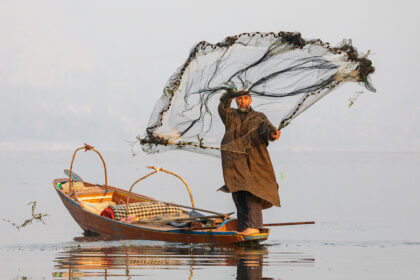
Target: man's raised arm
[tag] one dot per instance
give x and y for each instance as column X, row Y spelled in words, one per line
column 224, row 106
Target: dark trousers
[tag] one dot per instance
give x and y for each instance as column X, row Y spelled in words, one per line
column 249, row 210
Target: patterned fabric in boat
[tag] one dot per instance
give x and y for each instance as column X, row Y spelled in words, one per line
column 140, row 209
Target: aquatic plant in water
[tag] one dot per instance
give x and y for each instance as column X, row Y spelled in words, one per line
column 35, row 216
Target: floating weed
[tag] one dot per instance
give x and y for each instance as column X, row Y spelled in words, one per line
column 35, row 216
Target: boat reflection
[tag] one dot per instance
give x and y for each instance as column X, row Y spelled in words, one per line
column 124, row 260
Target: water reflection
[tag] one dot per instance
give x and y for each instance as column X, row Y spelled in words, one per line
column 124, row 260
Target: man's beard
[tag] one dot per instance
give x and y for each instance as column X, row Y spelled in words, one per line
column 244, row 109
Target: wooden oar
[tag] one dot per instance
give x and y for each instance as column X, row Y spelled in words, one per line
column 266, row 225
column 74, row 176
column 289, row 224
column 189, row 207
column 205, row 217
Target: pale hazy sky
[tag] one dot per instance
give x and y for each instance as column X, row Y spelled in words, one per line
column 91, row 71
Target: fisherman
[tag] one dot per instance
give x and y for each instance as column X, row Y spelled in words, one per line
column 247, row 168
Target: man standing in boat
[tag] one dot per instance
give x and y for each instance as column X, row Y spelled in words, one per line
column 247, row 167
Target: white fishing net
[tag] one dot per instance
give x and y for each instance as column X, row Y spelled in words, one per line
column 283, row 73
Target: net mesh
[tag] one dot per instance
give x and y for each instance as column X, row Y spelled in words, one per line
column 283, row 73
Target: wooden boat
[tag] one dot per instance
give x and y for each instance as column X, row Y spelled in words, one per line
column 218, row 228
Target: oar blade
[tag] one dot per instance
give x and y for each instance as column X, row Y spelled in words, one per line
column 74, row 176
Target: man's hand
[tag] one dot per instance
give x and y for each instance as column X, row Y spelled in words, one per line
column 275, row 135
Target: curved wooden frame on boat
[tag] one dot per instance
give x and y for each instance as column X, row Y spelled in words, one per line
column 224, row 233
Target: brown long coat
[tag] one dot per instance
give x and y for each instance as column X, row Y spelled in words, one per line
column 245, row 159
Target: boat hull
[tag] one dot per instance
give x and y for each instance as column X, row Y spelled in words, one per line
column 94, row 223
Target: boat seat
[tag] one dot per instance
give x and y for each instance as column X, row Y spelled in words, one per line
column 97, row 207
column 88, row 193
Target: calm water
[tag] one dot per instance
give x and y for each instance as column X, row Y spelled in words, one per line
column 366, row 207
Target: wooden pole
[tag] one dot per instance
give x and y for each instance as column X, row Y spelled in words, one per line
column 205, row 217
column 289, row 224
column 189, row 207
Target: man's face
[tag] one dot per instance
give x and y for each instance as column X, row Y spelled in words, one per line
column 244, row 101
